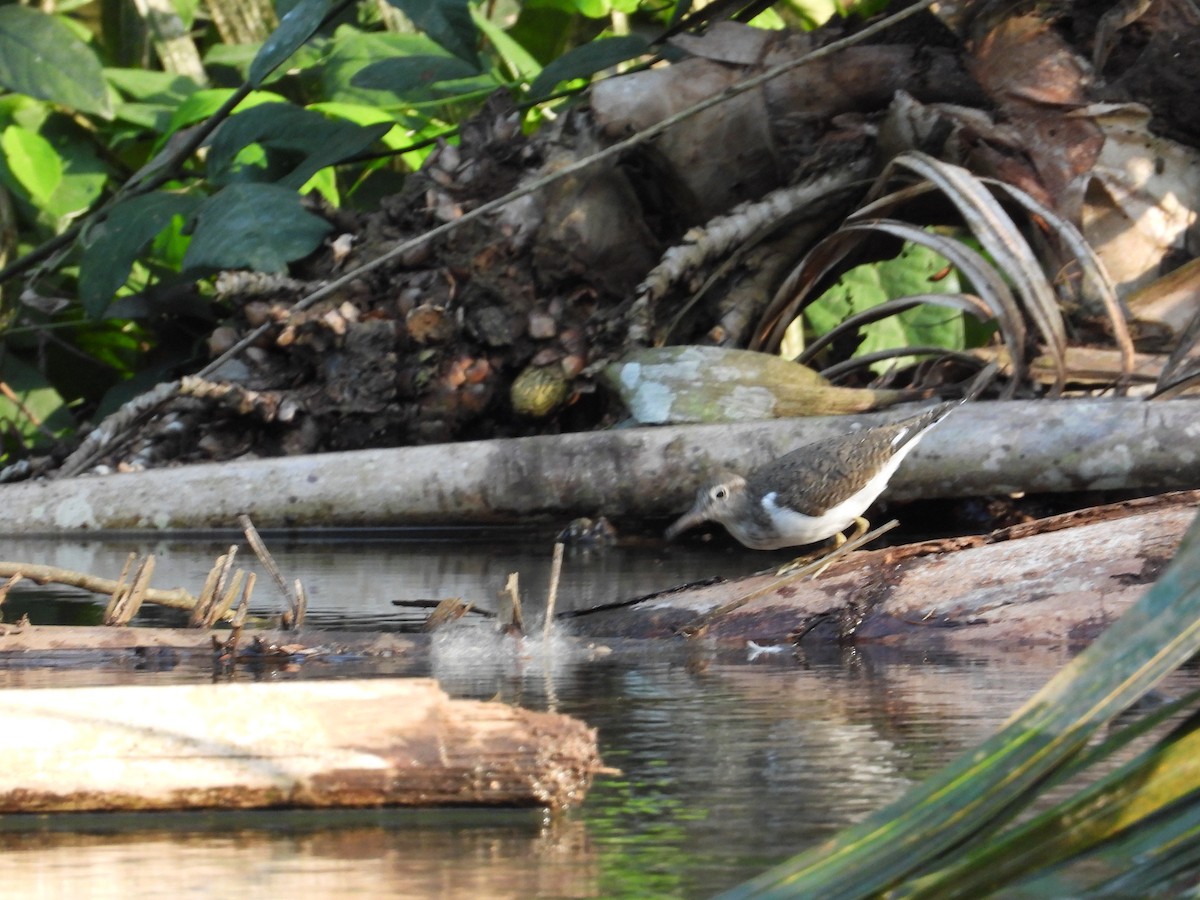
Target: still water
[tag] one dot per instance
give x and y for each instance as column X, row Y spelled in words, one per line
column 730, row 760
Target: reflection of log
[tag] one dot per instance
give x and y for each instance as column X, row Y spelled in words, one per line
column 1058, row 581
column 378, row 742
column 984, row 448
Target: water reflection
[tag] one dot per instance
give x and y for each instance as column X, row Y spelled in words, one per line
column 726, row 765
column 355, row 577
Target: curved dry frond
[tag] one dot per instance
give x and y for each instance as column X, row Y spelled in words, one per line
column 799, row 288
column 1095, row 278
column 1002, row 239
column 866, row 360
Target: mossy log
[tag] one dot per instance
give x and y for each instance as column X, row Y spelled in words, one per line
column 353, row 743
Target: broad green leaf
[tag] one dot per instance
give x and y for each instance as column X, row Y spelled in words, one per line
column 324, row 183
column 519, row 61
column 353, row 50
column 360, row 114
column 41, row 57
column 310, row 139
column 447, row 22
column 586, row 61
column 253, row 226
column 84, row 173
column 32, row 162
column 295, row 28
column 148, row 86
column 204, row 103
column 38, row 409
column 116, row 243
column 914, row 271
column 410, row 77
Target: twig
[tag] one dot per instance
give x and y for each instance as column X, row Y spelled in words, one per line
column 552, row 594
column 817, row 565
column 510, row 617
column 295, row 597
column 125, row 604
column 6, row 587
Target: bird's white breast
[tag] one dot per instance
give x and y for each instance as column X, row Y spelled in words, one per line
column 796, row 528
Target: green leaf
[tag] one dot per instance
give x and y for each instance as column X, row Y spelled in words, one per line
column 360, row 114
column 520, row 62
column 84, row 174
column 116, row 243
column 32, row 161
column 411, row 77
column 309, row 138
column 585, row 61
column 41, row 57
column 38, row 410
column 147, row 86
column 352, row 50
column 913, row 272
column 448, row 22
column 252, row 226
column 203, row 104
column 295, row 28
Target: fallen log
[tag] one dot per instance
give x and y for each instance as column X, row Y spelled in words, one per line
column 1060, row 580
column 307, row 744
column 986, row 448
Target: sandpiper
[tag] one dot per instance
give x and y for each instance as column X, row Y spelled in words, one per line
column 815, row 491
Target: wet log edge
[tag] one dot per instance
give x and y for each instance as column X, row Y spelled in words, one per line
column 1049, row 599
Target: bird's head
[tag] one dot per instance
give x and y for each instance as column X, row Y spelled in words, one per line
column 716, row 501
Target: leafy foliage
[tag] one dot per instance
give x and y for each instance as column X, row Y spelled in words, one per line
column 128, row 181
column 137, row 179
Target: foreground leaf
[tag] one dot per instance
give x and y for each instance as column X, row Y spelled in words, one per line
column 294, row 29
column 586, row 61
column 253, row 226
column 116, row 244
column 42, row 57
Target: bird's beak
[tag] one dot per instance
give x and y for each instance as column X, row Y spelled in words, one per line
column 689, row 519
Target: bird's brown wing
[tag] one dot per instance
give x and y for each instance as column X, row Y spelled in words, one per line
column 820, row 475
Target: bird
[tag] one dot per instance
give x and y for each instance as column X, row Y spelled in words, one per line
column 814, row 492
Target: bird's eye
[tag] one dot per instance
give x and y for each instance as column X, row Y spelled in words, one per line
column 720, row 492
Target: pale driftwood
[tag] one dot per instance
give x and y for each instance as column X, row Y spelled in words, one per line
column 176, row 598
column 1057, row 581
column 984, row 448
column 381, row 742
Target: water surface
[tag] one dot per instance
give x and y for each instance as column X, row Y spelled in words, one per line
column 729, row 760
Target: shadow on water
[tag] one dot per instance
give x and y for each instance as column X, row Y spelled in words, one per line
column 729, row 759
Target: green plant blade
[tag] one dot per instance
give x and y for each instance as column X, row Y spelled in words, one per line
column 116, row 243
column 294, row 29
column 447, row 22
column 32, row 162
column 252, row 226
column 1126, row 797
column 313, row 141
column 411, row 77
column 984, row 786
column 586, row 61
column 41, row 57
